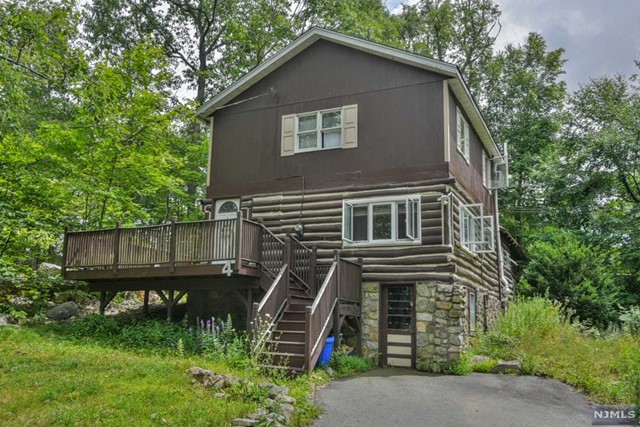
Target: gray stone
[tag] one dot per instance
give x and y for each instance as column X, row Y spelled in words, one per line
column 63, row 311
column 507, row 366
column 5, row 320
column 479, row 359
column 244, row 422
column 49, row 269
column 330, row 372
column 283, row 398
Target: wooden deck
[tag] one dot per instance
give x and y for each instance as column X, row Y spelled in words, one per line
column 198, row 249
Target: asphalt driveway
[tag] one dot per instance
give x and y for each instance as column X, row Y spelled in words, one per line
column 405, row 398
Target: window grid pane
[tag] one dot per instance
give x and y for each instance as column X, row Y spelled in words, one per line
column 381, row 222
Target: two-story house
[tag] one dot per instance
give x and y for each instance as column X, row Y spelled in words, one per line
column 379, row 165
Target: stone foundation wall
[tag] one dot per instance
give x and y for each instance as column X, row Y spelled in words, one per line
column 440, row 322
column 370, row 319
column 488, row 310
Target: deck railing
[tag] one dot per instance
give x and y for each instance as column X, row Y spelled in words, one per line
column 271, row 251
column 342, row 284
column 265, row 313
column 350, row 279
column 168, row 245
column 302, row 262
column 319, row 317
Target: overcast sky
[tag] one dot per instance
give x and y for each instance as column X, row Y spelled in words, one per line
column 599, row 36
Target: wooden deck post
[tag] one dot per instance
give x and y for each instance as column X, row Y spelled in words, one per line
column 172, row 246
column 65, row 244
column 238, row 242
column 170, row 305
column 336, row 310
column 145, row 306
column 116, row 247
column 307, row 340
column 286, row 251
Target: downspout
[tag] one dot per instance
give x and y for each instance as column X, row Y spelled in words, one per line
column 498, row 245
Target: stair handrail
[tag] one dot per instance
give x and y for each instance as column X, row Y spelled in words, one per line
column 271, row 306
column 321, row 310
column 278, row 259
column 303, row 268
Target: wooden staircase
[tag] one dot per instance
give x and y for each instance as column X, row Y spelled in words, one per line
column 302, row 305
column 287, row 343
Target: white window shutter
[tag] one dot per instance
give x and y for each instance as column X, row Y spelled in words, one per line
column 350, row 126
column 288, row 135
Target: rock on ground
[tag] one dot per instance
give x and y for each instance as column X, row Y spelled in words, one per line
column 63, row 311
column 5, row 320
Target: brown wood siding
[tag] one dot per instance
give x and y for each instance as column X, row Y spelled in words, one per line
column 479, row 271
column 468, row 175
column 400, row 125
column 321, row 214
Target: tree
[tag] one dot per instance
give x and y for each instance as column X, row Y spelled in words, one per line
column 565, row 268
column 37, row 62
column 599, row 189
column 461, row 32
column 523, row 99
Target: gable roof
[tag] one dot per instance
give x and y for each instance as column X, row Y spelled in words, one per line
column 456, row 82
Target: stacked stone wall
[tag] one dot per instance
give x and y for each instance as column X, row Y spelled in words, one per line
column 440, row 315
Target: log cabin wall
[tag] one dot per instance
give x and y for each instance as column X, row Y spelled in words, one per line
column 321, row 214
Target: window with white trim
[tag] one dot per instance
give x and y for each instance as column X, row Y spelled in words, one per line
column 487, row 169
column 320, row 130
column 463, row 135
column 382, row 221
column 476, row 229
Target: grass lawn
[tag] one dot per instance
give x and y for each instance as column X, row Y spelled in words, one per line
column 45, row 380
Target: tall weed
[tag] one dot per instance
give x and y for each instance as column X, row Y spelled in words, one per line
column 539, row 332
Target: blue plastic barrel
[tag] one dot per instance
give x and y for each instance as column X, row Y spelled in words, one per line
column 325, row 356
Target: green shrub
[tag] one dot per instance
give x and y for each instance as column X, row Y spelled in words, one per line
column 460, row 367
column 345, row 364
column 630, row 319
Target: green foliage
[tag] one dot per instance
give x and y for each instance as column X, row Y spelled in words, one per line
column 460, row 367
column 23, row 290
column 630, row 319
column 345, row 364
column 538, row 332
column 220, row 341
column 564, row 268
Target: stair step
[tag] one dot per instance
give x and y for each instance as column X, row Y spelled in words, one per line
column 288, row 347
column 291, row 325
column 285, row 335
column 293, row 315
column 289, row 368
column 298, row 308
column 293, row 360
column 300, row 300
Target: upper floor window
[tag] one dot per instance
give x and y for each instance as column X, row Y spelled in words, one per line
column 320, row 130
column 476, row 229
column 463, row 135
column 487, row 169
column 382, row 221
